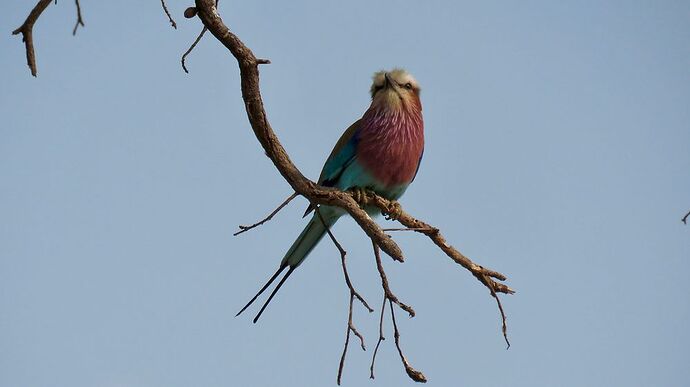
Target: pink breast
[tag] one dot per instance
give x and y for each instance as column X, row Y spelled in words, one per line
column 390, row 147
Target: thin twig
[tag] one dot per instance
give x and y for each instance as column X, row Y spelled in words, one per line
column 415, row 375
column 381, row 338
column 384, row 283
column 504, row 326
column 26, row 29
column 165, row 8
column 685, row 218
column 189, row 50
column 266, row 219
column 80, row 21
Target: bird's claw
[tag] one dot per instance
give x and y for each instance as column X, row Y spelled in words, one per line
column 394, row 211
column 360, row 195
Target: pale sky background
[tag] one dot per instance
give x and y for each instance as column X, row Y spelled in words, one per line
column 558, row 152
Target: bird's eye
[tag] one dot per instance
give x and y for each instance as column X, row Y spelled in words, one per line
column 377, row 88
column 408, row 86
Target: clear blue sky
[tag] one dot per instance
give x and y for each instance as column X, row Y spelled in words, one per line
column 558, row 152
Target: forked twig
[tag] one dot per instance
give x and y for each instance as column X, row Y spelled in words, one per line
column 80, row 21
column 266, row 219
column 685, row 218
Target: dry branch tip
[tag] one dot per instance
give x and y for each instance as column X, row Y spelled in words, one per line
column 26, row 29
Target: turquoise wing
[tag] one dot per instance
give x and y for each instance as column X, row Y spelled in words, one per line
column 342, row 156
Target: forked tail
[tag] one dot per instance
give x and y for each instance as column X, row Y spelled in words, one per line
column 300, row 249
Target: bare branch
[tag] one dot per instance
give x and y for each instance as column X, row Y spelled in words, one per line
column 415, row 375
column 26, row 29
column 80, row 21
column 685, row 218
column 165, row 8
column 266, row 219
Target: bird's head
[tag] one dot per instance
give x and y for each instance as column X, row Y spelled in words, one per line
column 395, row 89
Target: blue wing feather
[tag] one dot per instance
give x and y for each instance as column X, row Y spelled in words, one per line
column 342, row 156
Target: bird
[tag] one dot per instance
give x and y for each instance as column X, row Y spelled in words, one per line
column 380, row 152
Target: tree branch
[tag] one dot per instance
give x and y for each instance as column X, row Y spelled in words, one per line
column 26, row 29
column 685, row 218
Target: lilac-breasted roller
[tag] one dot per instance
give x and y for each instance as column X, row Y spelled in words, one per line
column 380, row 152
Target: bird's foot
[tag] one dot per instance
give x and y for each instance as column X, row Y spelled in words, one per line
column 394, row 211
column 360, row 195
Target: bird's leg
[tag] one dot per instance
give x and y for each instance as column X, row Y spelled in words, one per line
column 394, row 211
